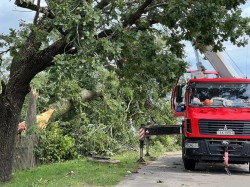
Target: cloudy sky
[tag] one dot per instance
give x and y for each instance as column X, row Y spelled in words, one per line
column 10, row 15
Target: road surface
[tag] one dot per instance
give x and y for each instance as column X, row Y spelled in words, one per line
column 169, row 171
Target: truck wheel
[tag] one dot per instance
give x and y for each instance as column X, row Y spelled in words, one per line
column 189, row 164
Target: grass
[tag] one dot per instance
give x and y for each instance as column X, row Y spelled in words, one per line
column 81, row 172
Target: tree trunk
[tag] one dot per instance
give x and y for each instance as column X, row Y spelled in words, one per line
column 31, row 112
column 10, row 109
column 9, row 113
column 24, row 67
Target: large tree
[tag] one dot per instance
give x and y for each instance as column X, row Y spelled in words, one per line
column 119, row 34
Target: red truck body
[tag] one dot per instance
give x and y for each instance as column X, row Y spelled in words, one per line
column 217, row 128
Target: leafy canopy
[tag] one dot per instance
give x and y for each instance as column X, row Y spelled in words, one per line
column 130, row 51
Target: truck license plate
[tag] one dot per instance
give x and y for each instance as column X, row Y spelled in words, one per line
column 225, row 132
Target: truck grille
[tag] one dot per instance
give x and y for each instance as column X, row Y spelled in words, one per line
column 212, row 126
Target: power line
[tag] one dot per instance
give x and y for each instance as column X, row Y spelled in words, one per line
column 235, row 64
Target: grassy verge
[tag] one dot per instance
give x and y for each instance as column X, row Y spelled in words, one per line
column 79, row 172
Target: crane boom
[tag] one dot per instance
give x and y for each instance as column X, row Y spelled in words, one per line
column 224, row 69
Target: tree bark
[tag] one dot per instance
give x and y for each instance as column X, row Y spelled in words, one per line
column 31, row 112
column 24, row 67
column 10, row 109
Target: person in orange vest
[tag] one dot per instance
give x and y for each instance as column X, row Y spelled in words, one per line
column 207, row 102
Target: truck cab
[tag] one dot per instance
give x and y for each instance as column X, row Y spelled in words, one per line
column 216, row 120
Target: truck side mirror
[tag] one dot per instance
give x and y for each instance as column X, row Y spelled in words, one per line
column 179, row 98
column 177, row 105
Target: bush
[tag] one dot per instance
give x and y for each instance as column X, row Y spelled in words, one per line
column 169, row 143
column 92, row 139
column 53, row 146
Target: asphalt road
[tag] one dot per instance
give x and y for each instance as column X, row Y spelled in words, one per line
column 169, row 171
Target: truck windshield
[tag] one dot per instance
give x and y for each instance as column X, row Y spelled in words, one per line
column 220, row 95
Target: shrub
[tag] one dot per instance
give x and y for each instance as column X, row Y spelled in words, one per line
column 53, row 146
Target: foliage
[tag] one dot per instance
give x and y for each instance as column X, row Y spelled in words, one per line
column 53, row 146
column 108, row 125
column 130, row 52
column 167, row 143
column 134, row 68
column 100, row 128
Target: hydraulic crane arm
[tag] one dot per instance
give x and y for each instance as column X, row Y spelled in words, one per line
column 224, row 69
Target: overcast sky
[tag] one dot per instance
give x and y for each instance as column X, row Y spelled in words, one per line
column 10, row 15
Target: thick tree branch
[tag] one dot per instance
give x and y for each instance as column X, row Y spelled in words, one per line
column 2, row 52
column 34, row 7
column 62, row 108
column 132, row 18
column 139, row 27
column 3, row 85
column 103, row 4
column 20, row 77
column 28, row 49
column 145, row 25
column 37, row 12
column 47, row 55
column 26, row 53
column 105, row 33
column 156, row 6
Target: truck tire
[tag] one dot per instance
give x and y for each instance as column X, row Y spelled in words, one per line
column 189, row 164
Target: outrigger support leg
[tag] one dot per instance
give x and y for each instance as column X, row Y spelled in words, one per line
column 147, row 146
column 141, row 160
column 141, row 138
column 226, row 158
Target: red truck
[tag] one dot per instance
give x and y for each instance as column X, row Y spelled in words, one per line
column 216, row 124
column 215, row 111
